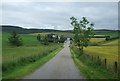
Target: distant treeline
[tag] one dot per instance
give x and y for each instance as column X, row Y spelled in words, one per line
column 20, row 30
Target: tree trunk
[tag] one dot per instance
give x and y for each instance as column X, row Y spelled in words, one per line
column 81, row 51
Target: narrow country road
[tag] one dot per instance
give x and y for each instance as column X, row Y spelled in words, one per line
column 59, row 67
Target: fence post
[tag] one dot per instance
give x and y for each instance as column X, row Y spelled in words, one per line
column 116, row 67
column 98, row 58
column 92, row 57
column 105, row 63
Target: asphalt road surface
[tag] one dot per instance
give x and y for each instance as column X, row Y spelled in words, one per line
column 59, row 67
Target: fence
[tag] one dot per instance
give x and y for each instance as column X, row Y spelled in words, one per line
column 113, row 66
column 104, row 63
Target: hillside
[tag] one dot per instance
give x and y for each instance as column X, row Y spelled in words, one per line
column 20, row 30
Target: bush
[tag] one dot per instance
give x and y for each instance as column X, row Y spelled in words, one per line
column 45, row 42
column 62, row 39
column 39, row 37
column 15, row 40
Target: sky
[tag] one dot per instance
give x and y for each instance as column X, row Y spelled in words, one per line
column 56, row 15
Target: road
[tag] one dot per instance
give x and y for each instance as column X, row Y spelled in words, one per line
column 59, row 67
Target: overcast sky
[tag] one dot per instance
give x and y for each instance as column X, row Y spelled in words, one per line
column 56, row 15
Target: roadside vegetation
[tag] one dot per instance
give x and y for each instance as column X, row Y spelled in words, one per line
column 92, row 62
column 96, row 58
column 27, row 65
column 91, row 69
column 27, row 57
column 83, row 31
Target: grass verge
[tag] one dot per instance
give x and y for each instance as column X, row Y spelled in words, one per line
column 29, row 68
column 90, row 69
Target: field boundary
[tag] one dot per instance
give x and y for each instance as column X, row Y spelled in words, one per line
column 92, row 71
column 25, row 70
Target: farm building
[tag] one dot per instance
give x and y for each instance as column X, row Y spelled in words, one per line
column 53, row 36
column 95, row 36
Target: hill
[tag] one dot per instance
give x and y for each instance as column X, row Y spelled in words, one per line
column 20, row 30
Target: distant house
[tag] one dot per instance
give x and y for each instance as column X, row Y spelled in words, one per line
column 53, row 36
column 68, row 36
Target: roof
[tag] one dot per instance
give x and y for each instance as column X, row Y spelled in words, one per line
column 100, row 36
column 96, row 36
column 68, row 36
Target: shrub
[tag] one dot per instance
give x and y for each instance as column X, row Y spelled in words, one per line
column 15, row 39
column 39, row 37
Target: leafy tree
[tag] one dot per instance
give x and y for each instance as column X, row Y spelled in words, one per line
column 62, row 39
column 45, row 40
column 83, row 30
column 15, row 39
column 56, row 39
column 39, row 37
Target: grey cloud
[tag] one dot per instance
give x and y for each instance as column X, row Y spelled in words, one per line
column 56, row 15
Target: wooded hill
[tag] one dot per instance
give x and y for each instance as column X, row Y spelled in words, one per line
column 20, row 30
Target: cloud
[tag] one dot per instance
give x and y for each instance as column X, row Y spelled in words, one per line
column 56, row 15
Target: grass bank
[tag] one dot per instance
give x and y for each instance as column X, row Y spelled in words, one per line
column 23, row 70
column 19, row 61
column 90, row 68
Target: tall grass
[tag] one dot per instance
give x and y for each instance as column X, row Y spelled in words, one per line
column 22, row 58
column 31, row 51
column 109, row 52
column 91, row 68
column 23, row 70
column 112, row 43
column 14, row 53
column 96, row 40
column 92, row 62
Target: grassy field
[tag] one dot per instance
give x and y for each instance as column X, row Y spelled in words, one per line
column 103, row 52
column 88, row 62
column 107, row 50
column 58, row 33
column 15, row 53
column 111, row 34
column 27, row 57
column 90, row 69
column 111, row 43
column 27, row 40
column 96, row 40
column 21, row 71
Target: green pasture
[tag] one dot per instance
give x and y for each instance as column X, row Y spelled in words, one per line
column 32, row 51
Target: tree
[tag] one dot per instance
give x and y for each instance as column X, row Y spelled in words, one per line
column 56, row 39
column 62, row 39
column 83, row 30
column 39, row 37
column 45, row 42
column 15, row 39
